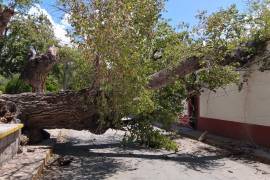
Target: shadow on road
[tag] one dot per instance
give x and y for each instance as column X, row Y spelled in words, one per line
column 82, row 166
column 98, row 161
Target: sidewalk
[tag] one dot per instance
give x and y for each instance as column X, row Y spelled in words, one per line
column 236, row 147
column 27, row 165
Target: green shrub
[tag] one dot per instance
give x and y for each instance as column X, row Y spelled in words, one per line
column 143, row 133
column 16, row 86
column 168, row 105
column 3, row 83
column 52, row 84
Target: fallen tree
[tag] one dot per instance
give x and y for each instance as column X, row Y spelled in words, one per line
column 71, row 110
column 79, row 111
column 115, row 49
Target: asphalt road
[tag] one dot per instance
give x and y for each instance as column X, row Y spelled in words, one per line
column 102, row 157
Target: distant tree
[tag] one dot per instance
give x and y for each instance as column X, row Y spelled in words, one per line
column 73, row 71
column 25, row 34
column 9, row 8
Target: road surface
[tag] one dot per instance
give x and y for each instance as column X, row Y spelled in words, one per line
column 102, row 157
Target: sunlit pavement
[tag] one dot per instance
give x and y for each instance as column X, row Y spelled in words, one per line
column 103, row 157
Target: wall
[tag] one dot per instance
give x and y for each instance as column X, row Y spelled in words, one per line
column 250, row 105
column 241, row 114
column 9, row 146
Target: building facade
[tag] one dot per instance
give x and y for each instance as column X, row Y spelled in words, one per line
column 241, row 114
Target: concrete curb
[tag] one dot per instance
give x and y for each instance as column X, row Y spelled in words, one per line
column 237, row 147
column 9, row 129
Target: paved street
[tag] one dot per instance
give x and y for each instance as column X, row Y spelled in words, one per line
column 102, row 157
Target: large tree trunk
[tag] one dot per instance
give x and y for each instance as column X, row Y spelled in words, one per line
column 167, row 76
column 71, row 110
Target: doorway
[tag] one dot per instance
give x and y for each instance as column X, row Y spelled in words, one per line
column 193, row 111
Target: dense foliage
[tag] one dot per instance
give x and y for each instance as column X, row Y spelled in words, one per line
column 24, row 32
column 116, row 39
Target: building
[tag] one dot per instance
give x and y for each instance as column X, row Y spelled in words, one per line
column 241, row 114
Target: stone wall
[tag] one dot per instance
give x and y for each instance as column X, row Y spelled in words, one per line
column 9, row 141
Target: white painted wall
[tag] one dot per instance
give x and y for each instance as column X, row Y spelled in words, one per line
column 250, row 105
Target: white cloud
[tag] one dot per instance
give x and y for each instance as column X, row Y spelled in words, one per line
column 65, row 20
column 60, row 29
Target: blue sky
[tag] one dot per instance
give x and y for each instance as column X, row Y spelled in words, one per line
column 176, row 10
column 185, row 10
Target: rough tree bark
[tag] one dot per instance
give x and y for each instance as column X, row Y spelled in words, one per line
column 37, row 69
column 5, row 16
column 77, row 110
column 71, row 110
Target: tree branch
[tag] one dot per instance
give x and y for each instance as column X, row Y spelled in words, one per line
column 186, row 66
